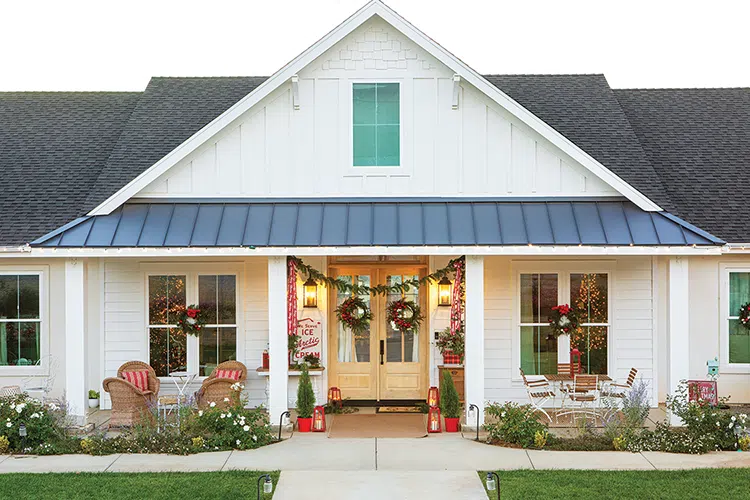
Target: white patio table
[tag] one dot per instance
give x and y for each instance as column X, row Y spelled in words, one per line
column 181, row 380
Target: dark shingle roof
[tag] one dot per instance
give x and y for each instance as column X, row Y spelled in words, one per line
column 68, row 152
column 698, row 140
column 585, row 110
column 170, row 111
column 52, row 147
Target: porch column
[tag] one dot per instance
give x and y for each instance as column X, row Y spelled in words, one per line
column 474, row 349
column 277, row 339
column 75, row 338
column 678, row 326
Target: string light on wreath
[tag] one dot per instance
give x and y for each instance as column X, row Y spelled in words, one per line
column 190, row 320
column 563, row 320
column 745, row 315
column 354, row 314
column 404, row 316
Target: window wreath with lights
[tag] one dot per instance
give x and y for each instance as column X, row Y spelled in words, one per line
column 404, row 316
column 354, row 314
column 563, row 320
column 745, row 315
column 190, row 320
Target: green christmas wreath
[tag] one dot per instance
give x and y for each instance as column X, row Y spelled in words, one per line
column 355, row 314
column 404, row 316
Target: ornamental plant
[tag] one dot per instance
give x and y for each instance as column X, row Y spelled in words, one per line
column 451, row 342
column 305, row 395
column 229, row 428
column 450, row 406
column 93, row 394
column 44, row 423
column 513, row 424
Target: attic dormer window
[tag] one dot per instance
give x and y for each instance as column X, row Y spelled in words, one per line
column 376, row 125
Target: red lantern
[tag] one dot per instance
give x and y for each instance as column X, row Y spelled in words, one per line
column 334, row 397
column 433, row 420
column 433, row 397
column 319, row 419
column 575, row 362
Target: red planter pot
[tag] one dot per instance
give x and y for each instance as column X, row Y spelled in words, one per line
column 452, row 424
column 451, row 359
column 304, row 424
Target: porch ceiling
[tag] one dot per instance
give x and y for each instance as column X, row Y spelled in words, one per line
column 376, row 222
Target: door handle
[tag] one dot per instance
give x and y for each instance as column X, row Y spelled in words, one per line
column 382, row 350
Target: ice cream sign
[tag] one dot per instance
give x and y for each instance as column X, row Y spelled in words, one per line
column 310, row 338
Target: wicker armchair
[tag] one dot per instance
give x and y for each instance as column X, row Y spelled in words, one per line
column 217, row 390
column 130, row 404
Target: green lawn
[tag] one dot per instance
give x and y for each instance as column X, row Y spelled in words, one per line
column 154, row 486
column 700, row 483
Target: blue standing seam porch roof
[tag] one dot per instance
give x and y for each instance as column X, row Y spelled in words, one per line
column 382, row 222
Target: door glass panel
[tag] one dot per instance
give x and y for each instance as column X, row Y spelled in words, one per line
column 353, row 348
column 402, row 347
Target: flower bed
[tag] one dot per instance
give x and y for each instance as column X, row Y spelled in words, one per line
column 211, row 429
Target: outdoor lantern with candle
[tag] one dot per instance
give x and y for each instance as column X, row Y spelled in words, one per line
column 433, row 396
column 444, row 292
column 493, row 482
column 311, row 293
column 334, row 396
column 433, row 420
column 319, row 419
column 22, row 434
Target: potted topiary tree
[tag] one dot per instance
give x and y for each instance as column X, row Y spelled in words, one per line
column 450, row 405
column 305, row 401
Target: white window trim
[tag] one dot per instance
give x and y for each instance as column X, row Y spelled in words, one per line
column 44, row 351
column 191, row 271
column 563, row 269
column 386, row 170
column 724, row 316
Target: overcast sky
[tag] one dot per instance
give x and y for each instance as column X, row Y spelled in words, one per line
column 119, row 44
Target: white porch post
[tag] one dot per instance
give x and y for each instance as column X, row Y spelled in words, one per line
column 678, row 326
column 474, row 349
column 277, row 339
column 75, row 338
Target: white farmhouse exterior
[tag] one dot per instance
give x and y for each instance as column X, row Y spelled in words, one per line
column 547, row 209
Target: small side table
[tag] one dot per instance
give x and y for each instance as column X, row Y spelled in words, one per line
column 181, row 381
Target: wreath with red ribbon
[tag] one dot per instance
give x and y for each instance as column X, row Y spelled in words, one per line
column 354, row 314
column 745, row 315
column 404, row 316
column 190, row 320
column 563, row 320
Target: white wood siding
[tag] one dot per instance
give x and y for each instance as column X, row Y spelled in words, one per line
column 630, row 337
column 476, row 150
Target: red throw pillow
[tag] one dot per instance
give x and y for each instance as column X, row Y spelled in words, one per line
column 232, row 374
column 138, row 378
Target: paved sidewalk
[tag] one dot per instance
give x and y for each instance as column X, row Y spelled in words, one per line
column 315, row 452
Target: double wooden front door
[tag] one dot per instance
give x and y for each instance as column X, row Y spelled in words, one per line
column 380, row 363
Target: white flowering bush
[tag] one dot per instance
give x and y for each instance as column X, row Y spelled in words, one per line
column 42, row 422
column 515, row 425
column 230, row 428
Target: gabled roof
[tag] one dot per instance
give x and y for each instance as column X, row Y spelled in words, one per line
column 375, row 8
column 52, row 147
column 376, row 222
column 169, row 112
column 698, row 140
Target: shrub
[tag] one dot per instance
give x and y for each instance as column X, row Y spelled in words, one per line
column 540, row 439
column 670, row 439
column 231, row 428
column 44, row 424
column 744, row 443
column 450, row 406
column 619, row 443
column 516, row 425
column 305, row 395
column 588, row 442
column 93, row 394
column 4, row 445
column 636, row 405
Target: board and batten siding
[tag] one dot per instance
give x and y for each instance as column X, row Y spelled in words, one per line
column 125, row 336
column 631, row 333
column 478, row 149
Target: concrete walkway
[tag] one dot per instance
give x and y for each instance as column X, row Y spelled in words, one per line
column 437, row 467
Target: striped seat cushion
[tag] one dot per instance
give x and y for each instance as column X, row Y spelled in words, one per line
column 231, row 374
column 138, row 378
